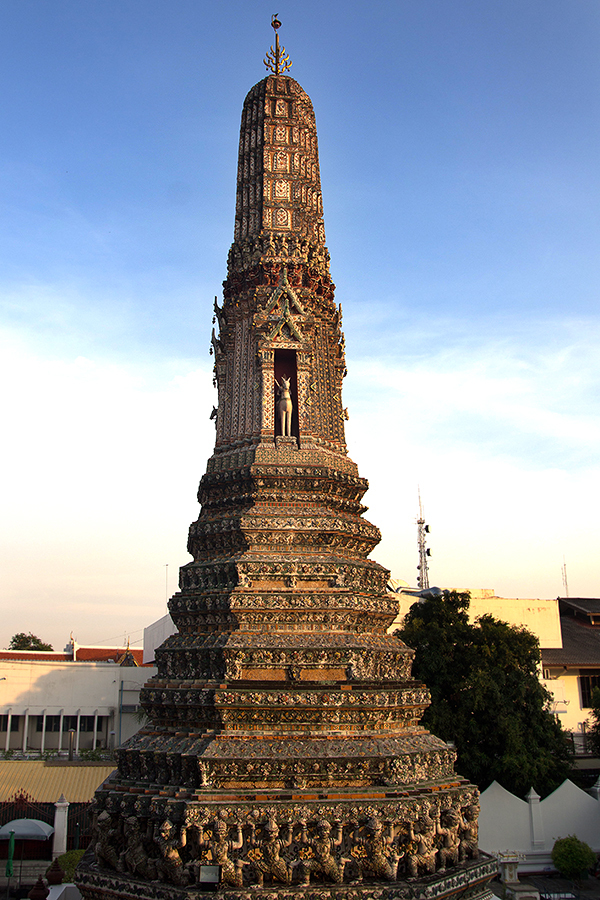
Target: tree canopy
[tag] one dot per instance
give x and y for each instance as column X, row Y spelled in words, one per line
column 486, row 696
column 22, row 641
column 593, row 722
column 573, row 858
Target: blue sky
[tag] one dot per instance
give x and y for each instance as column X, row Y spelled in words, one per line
column 459, row 146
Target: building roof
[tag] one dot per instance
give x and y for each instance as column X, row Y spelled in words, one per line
column 45, row 782
column 588, row 605
column 120, row 655
column 108, row 654
column 581, row 645
column 34, row 656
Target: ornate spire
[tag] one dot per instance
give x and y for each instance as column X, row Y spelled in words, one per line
column 277, row 61
column 278, row 184
column 283, row 738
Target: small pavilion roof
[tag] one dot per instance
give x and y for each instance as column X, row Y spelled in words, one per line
column 44, row 782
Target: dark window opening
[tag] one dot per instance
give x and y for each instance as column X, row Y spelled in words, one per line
column 587, row 684
column 52, row 723
column 14, row 723
column 86, row 723
column 285, row 365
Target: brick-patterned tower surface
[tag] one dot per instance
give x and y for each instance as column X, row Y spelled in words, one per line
column 284, row 743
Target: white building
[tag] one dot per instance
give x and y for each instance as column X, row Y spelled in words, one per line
column 88, row 696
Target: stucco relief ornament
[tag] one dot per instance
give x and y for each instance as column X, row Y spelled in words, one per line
column 266, row 854
column 375, row 853
column 135, row 856
column 447, row 828
column 170, row 867
column 318, row 857
column 422, row 838
column 284, row 293
column 218, row 847
column 107, row 837
column 468, row 848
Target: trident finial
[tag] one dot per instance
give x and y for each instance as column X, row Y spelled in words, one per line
column 277, row 61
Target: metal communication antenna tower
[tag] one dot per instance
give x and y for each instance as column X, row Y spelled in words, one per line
column 424, row 551
column 564, row 577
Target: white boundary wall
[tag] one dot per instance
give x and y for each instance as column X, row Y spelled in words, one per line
column 530, row 827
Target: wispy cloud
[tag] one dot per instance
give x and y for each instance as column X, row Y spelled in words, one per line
column 501, row 433
column 99, row 467
column 530, row 396
column 499, row 430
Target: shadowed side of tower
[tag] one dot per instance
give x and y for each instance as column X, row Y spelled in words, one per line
column 283, row 743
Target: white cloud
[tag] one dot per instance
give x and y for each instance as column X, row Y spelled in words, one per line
column 503, row 443
column 99, row 473
column 102, row 462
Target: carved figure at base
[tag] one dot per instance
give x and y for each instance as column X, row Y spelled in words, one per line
column 469, row 848
column 170, row 867
column 220, row 848
column 422, row 839
column 135, row 856
column 321, row 860
column 107, row 837
column 447, row 827
column 377, row 859
column 267, row 856
column 284, row 406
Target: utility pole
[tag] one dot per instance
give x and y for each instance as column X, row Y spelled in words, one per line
column 424, row 551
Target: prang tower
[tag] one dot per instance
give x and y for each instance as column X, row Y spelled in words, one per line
column 284, row 743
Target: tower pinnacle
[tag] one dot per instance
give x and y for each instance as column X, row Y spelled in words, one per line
column 277, row 61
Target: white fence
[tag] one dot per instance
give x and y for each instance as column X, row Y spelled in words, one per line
column 530, row 827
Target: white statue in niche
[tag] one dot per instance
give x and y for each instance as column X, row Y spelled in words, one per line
column 284, row 406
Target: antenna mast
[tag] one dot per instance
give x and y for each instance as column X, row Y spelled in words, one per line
column 564, row 577
column 424, row 551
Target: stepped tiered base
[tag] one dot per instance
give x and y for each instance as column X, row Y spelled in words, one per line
column 468, row 882
column 285, row 746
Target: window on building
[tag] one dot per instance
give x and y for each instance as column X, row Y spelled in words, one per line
column 14, row 723
column 587, row 682
column 86, row 723
column 52, row 723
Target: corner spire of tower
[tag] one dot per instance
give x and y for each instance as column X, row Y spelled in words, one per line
column 277, row 61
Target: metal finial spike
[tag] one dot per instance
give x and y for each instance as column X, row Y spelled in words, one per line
column 277, row 60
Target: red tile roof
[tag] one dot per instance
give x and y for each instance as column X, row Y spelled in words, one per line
column 35, row 656
column 107, row 654
column 82, row 654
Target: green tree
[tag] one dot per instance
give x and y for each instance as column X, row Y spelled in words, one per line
column 22, row 641
column 68, row 862
column 572, row 857
column 486, row 696
column 593, row 722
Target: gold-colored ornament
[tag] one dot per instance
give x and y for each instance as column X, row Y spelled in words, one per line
column 277, row 61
